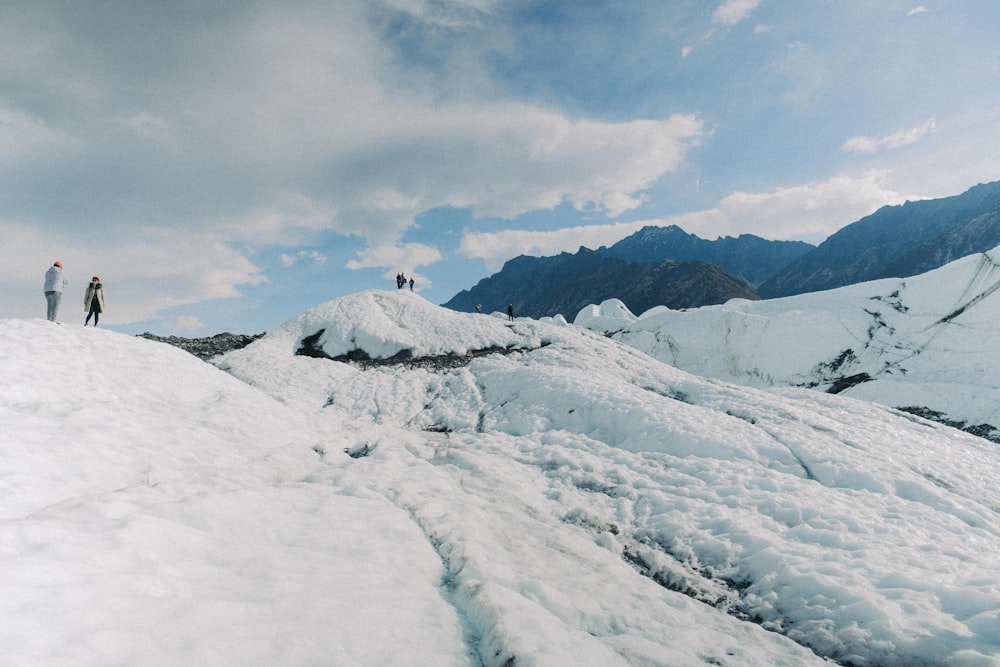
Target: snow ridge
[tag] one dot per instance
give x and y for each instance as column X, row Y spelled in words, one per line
column 762, row 504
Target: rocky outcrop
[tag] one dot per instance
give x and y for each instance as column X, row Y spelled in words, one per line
column 206, row 348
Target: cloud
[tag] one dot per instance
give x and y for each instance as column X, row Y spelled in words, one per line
column 732, row 12
column 454, row 14
column 862, row 144
column 406, row 257
column 811, row 212
column 262, row 125
column 184, row 323
column 22, row 135
column 290, row 259
column 150, row 271
column 917, row 10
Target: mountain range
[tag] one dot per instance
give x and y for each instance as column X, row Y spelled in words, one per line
column 895, row 241
column 565, row 283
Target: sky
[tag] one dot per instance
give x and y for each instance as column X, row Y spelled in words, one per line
column 563, row 500
column 223, row 167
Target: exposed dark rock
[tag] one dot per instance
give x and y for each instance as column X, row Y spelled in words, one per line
column 437, row 362
column 986, row 431
column 841, row 384
column 206, row 348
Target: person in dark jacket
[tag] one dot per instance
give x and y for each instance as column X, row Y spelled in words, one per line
column 93, row 300
column 510, row 312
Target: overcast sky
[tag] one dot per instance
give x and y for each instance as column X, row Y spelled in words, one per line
column 226, row 165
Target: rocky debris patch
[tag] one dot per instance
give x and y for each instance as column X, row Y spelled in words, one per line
column 206, row 348
column 987, row 431
column 310, row 347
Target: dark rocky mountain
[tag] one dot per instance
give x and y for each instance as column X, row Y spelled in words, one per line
column 566, row 283
column 750, row 257
column 896, row 242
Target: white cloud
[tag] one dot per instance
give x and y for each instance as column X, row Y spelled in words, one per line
column 917, row 10
column 406, row 257
column 454, row 14
column 812, row 211
column 21, row 134
column 150, row 271
column 809, row 212
column 495, row 248
column 184, row 323
column 732, row 12
column 317, row 258
column 862, row 144
column 279, row 121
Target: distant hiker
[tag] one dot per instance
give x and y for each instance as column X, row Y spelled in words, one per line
column 93, row 300
column 479, row 307
column 399, row 281
column 411, row 284
column 510, row 312
column 55, row 283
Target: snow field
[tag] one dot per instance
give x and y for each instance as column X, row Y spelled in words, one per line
column 571, row 501
column 791, row 507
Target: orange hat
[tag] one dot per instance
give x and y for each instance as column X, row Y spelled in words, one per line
column 59, row 264
column 97, row 278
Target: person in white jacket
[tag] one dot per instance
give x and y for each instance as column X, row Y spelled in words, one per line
column 93, row 300
column 55, row 283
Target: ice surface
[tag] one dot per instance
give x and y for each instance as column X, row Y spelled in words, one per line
column 928, row 342
column 563, row 500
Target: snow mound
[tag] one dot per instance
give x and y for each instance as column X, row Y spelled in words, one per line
column 926, row 344
column 611, row 315
column 859, row 532
column 379, row 324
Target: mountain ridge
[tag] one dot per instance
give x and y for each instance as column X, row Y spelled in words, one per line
column 565, row 283
column 896, row 242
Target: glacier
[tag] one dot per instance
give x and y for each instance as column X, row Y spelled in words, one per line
column 382, row 481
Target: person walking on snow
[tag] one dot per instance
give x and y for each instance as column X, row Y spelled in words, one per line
column 510, row 312
column 93, row 300
column 55, row 283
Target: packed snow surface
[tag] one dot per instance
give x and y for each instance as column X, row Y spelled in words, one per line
column 562, row 499
column 929, row 342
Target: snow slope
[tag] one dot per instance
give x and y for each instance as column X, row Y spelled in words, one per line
column 928, row 342
column 561, row 499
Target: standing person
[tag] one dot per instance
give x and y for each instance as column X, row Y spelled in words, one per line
column 411, row 283
column 510, row 312
column 55, row 283
column 93, row 300
column 479, row 307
